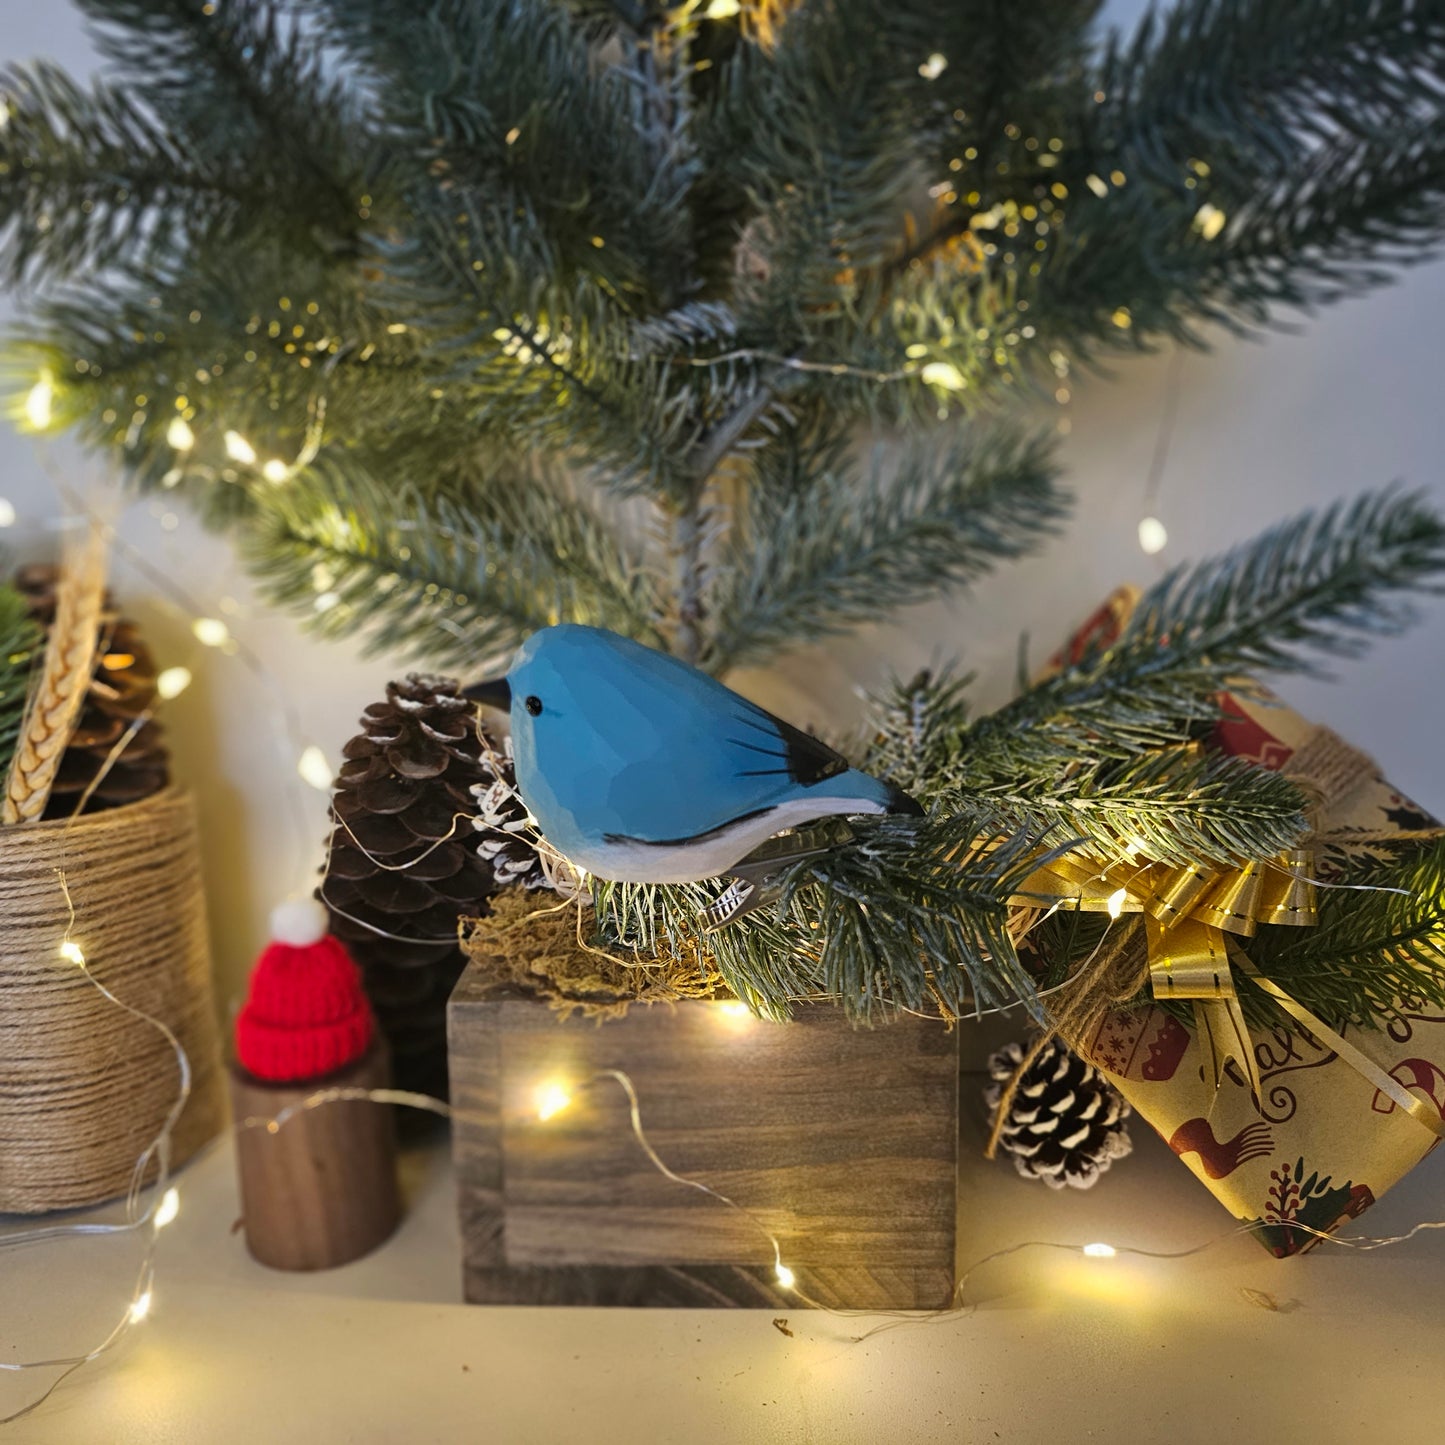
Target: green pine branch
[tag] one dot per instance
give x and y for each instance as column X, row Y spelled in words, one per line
column 911, row 915
column 1324, row 583
column 454, row 584
column 865, row 542
column 1167, row 804
column 1378, row 951
column 84, row 174
column 570, row 168
column 243, row 84
column 1241, row 155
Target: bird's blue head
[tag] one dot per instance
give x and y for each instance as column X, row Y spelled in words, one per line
column 574, row 690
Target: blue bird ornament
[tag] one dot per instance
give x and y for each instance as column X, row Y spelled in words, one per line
column 643, row 769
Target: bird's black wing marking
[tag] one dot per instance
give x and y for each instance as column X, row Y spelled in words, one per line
column 763, row 722
column 754, row 748
column 809, row 761
column 683, row 842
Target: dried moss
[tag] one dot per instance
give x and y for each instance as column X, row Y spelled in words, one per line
column 539, row 943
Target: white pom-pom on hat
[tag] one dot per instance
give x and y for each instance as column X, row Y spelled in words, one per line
column 299, row 922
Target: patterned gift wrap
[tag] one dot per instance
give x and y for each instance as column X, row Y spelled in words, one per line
column 1329, row 1132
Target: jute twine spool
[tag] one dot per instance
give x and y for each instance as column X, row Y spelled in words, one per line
column 84, row 1085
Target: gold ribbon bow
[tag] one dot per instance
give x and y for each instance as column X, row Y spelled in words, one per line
column 1188, row 912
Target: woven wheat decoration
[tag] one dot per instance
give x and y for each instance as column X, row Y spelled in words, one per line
column 64, row 677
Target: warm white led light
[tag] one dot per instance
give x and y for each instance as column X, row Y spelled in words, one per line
column 7, row 512
column 71, row 952
column 39, row 402
column 550, row 1099
column 179, row 434
column 785, row 1276
column 1152, row 536
column 173, row 682
column 239, row 449
column 1117, row 900
column 275, row 471
column 944, row 374
column 314, row 768
column 140, row 1307
column 1100, row 1251
column 1209, row 221
column 168, row 1208
column 211, row 632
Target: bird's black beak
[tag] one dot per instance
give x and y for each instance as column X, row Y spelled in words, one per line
column 497, row 693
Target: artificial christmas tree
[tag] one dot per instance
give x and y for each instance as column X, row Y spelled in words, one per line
column 365, row 282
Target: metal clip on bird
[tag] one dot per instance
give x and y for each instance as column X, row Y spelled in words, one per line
column 756, row 876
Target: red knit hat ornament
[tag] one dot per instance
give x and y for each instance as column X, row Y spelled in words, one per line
column 306, row 1014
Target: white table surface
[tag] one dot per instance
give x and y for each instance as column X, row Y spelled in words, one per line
column 1055, row 1347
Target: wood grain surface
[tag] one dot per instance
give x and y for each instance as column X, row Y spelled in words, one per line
column 322, row 1190
column 842, row 1142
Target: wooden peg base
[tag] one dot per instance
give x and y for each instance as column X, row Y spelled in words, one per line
column 322, row 1189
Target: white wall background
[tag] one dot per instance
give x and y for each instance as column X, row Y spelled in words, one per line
column 1353, row 400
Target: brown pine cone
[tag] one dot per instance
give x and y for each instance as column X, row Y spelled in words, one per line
column 122, row 691
column 403, row 866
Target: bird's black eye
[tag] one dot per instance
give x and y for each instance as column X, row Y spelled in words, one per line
column 534, row 705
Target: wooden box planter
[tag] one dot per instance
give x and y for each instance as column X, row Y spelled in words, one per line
column 843, row 1142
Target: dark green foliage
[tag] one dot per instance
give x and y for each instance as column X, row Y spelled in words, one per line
column 1379, row 948
column 400, row 268
column 20, row 643
column 1101, row 749
column 913, row 914
column 850, row 543
column 531, row 553
column 1096, row 756
column 649, row 246
column 1326, row 581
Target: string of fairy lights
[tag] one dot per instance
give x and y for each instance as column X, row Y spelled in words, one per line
column 149, row 1211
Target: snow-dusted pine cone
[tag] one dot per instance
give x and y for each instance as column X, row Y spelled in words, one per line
column 121, row 694
column 403, row 866
column 506, row 835
column 1067, row 1123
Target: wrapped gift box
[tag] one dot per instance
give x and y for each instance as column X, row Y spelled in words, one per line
column 1321, row 1142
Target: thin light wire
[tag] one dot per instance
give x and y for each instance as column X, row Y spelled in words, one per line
column 956, row 1306
column 1164, row 437
column 158, row 1149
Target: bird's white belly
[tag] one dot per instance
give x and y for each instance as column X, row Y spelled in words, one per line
column 713, row 855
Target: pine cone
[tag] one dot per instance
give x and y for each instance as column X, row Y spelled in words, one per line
column 1066, row 1124
column 506, row 829
column 403, row 866
column 122, row 690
